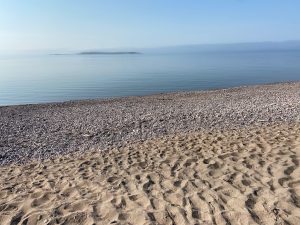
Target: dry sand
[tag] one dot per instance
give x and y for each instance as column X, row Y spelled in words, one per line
column 242, row 176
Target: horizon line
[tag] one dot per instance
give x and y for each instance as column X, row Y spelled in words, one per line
column 153, row 47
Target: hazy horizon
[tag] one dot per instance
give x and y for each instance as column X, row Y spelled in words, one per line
column 263, row 45
column 73, row 26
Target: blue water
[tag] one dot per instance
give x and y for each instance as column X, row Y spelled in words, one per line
column 55, row 78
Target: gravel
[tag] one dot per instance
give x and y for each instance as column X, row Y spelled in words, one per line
column 45, row 131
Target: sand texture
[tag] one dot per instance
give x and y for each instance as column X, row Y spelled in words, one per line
column 242, row 176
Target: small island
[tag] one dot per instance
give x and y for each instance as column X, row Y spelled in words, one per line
column 107, row 53
column 98, row 53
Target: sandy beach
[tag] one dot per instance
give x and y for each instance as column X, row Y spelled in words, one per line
column 213, row 157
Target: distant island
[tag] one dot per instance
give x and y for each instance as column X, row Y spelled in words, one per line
column 106, row 53
column 98, row 53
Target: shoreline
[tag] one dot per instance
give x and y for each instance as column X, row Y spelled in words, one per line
column 104, row 99
column 42, row 131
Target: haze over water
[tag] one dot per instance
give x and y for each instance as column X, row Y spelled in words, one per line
column 56, row 78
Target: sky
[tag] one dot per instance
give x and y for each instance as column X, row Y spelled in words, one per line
column 103, row 24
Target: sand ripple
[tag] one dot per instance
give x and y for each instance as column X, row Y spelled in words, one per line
column 235, row 177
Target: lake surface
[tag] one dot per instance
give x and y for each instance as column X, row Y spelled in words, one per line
column 55, row 78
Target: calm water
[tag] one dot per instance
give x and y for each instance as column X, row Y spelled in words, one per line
column 36, row 79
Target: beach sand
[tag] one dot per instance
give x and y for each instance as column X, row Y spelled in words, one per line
column 247, row 175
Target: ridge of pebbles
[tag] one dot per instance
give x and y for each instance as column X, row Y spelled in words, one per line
column 44, row 131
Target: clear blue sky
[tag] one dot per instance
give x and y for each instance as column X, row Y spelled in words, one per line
column 97, row 24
